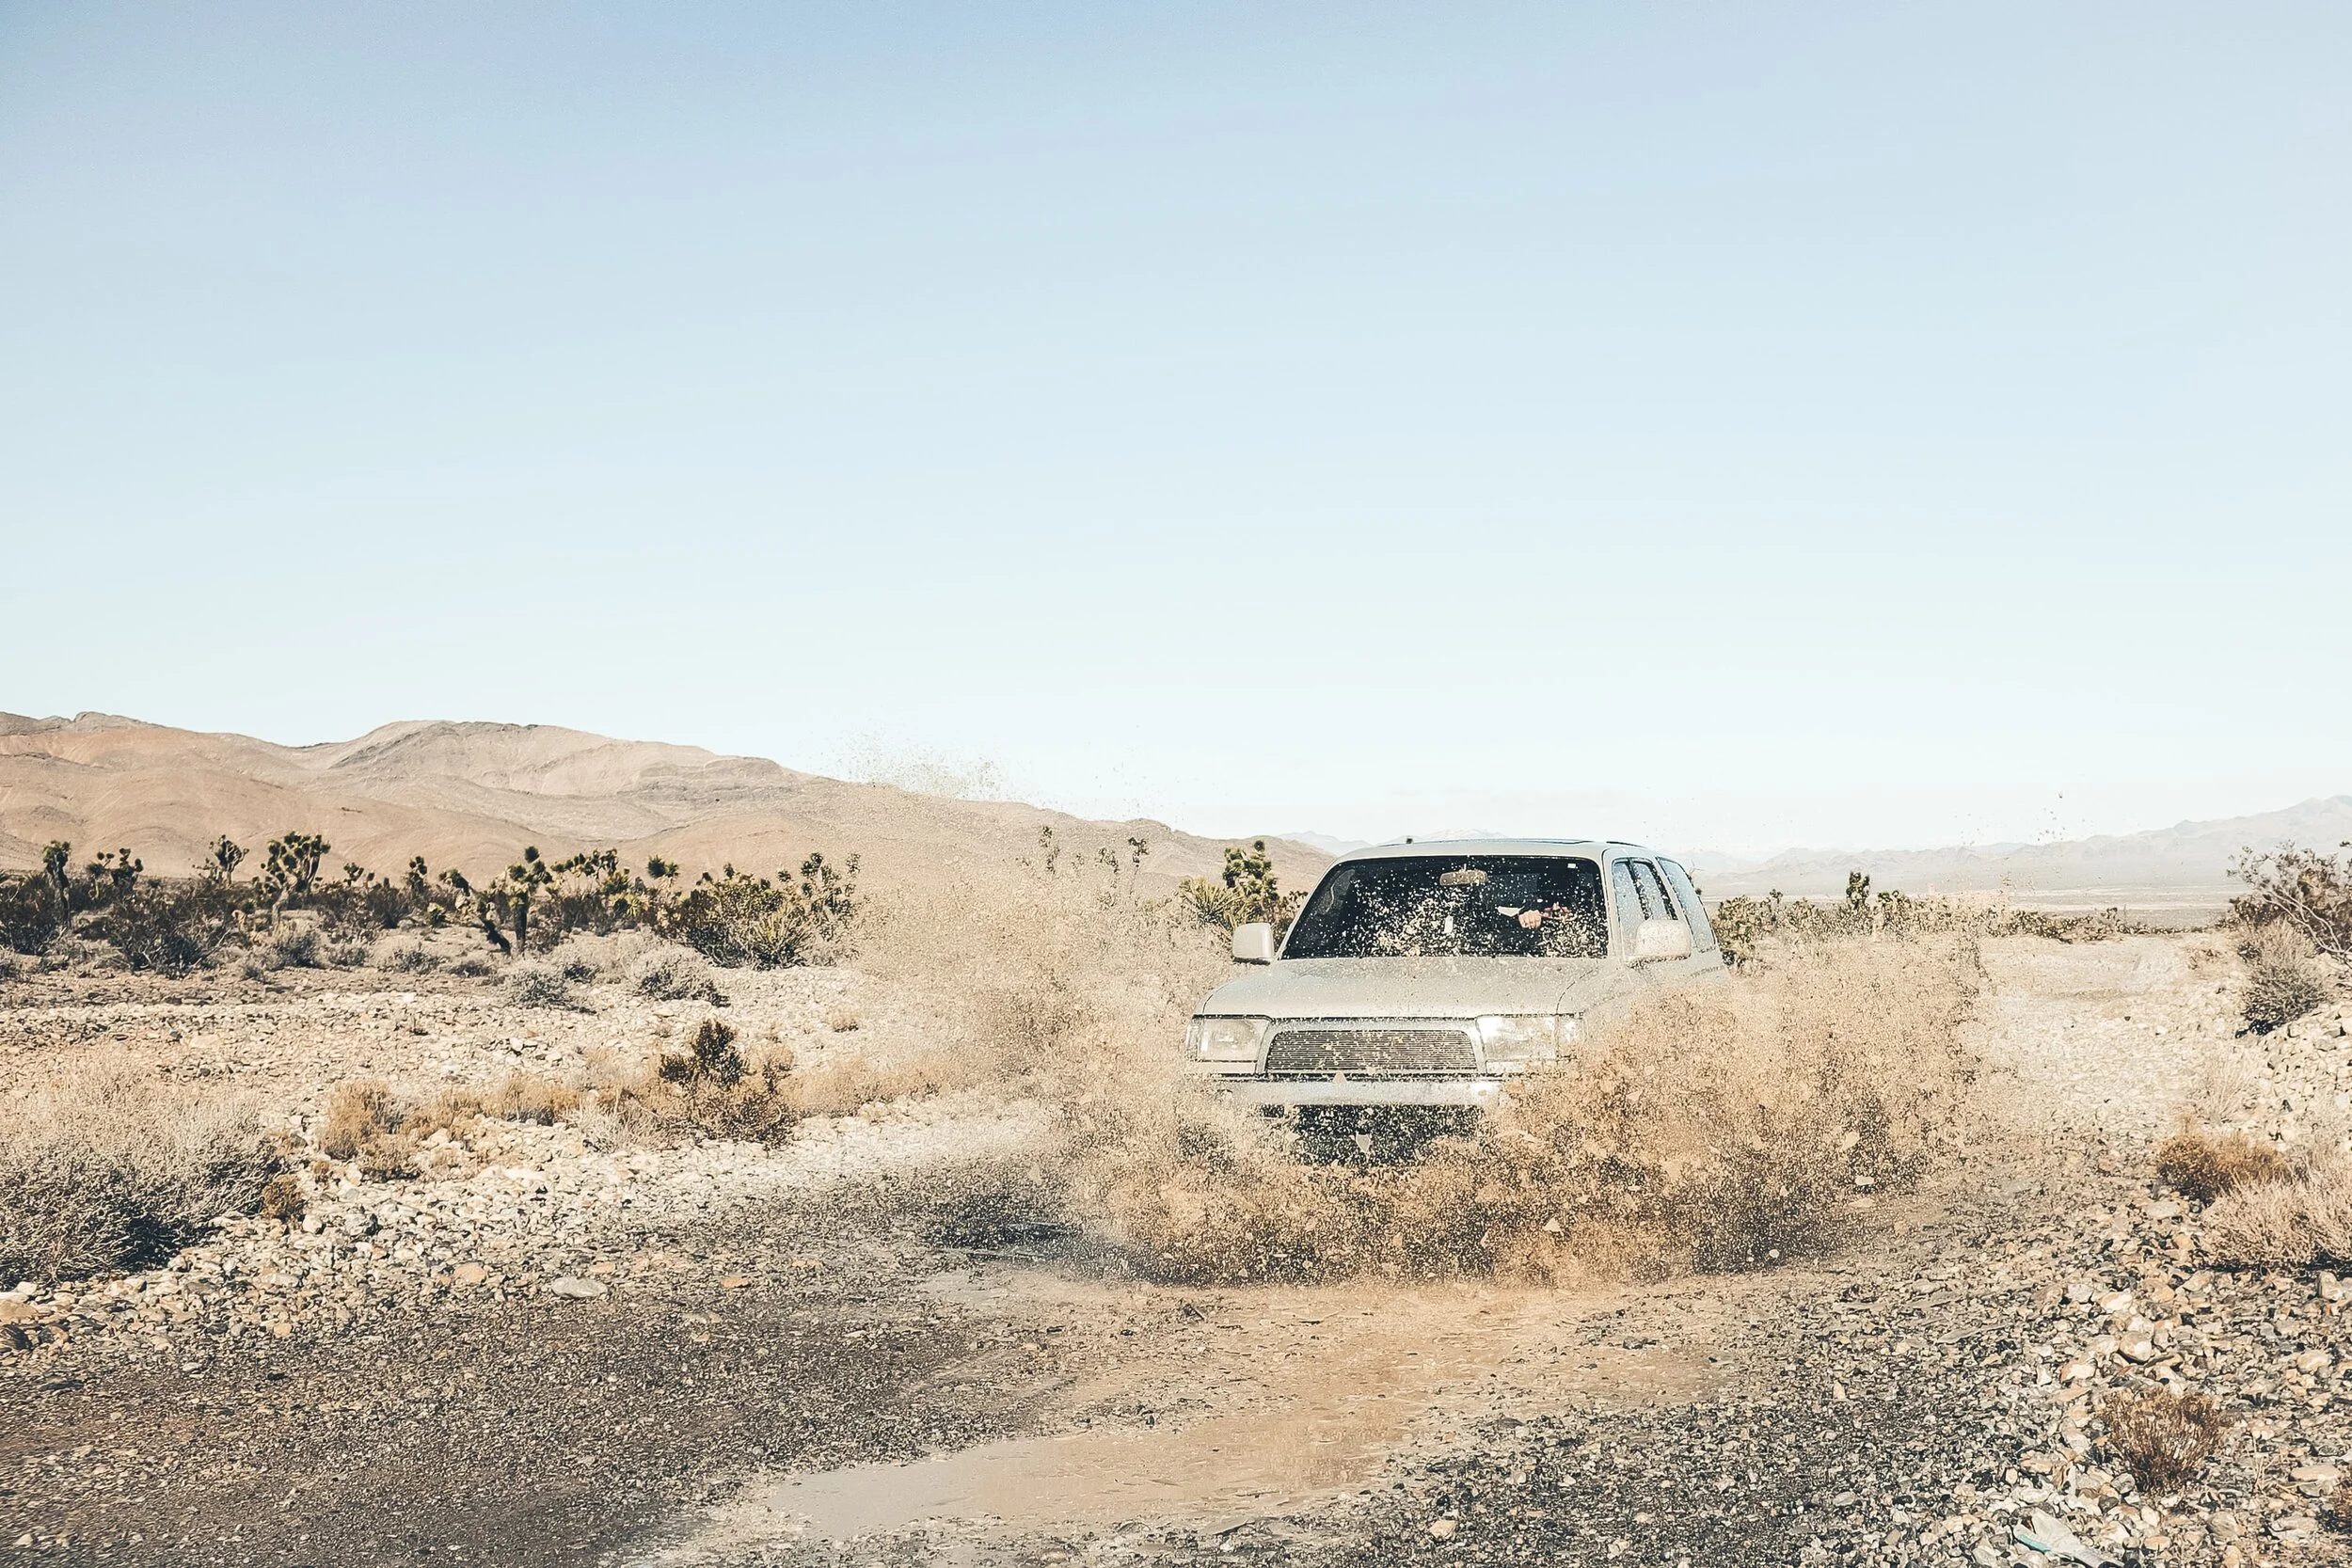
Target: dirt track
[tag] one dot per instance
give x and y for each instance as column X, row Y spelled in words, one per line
column 803, row 1369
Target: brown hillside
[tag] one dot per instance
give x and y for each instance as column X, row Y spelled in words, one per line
column 472, row 795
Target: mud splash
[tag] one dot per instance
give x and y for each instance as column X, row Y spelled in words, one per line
column 1274, row 1399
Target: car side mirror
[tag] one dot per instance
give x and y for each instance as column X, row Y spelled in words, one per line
column 1661, row 939
column 1253, row 943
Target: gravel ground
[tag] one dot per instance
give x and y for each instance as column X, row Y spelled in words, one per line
column 545, row 1350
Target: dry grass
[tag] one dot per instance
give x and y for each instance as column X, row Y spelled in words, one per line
column 108, row 1169
column 2288, row 1222
column 1705, row 1132
column 281, row 1198
column 358, row 1112
column 2282, row 980
column 670, row 974
column 1708, row 1130
column 365, row 1123
column 2163, row 1439
column 711, row 1086
column 2201, row 1166
column 536, row 983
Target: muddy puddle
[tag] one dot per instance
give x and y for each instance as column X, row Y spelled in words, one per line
column 1241, row 1404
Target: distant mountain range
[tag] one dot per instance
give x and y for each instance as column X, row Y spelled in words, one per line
column 472, row 795
column 2187, row 864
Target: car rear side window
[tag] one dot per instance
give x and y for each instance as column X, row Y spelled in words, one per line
column 1630, row 911
column 1656, row 905
column 1695, row 911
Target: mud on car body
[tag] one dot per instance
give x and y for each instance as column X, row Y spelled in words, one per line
column 1432, row 975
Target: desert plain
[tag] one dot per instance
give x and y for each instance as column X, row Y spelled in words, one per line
column 517, row 1287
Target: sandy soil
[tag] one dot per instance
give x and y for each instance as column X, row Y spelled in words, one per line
column 546, row 1351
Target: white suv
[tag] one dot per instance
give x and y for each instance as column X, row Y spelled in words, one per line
column 1430, row 974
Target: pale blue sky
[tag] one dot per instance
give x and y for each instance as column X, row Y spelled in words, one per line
column 1738, row 426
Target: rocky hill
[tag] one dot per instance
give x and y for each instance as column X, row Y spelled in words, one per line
column 472, row 795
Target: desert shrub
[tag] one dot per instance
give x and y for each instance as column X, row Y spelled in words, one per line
column 2302, row 1219
column 2100, row 925
column 738, row 921
column 281, row 1197
column 711, row 1058
column 412, row 958
column 2201, row 1166
column 707, row 1086
column 1247, row 892
column 357, row 1111
column 109, row 1170
column 385, row 1133
column 668, row 975
column 170, row 927
column 2163, row 1438
column 294, row 947
column 1743, row 927
column 2301, row 889
column 30, row 916
column 522, row 1097
column 346, row 949
column 472, row 967
column 711, row 1086
column 2281, row 982
column 365, row 1124
column 532, row 983
column 579, row 970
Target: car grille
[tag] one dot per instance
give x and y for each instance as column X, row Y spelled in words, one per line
column 1359, row 1050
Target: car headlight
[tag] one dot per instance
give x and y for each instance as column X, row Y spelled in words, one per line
column 1531, row 1037
column 1224, row 1039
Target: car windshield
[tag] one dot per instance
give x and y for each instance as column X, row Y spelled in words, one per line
column 1454, row 906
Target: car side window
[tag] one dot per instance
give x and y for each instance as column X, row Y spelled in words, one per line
column 1656, row 905
column 1695, row 911
column 1627, row 895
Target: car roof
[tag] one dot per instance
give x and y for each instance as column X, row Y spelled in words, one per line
column 1583, row 848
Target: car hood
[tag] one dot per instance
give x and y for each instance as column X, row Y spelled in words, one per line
column 1416, row 988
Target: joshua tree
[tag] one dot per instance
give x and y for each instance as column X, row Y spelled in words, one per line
column 57, row 863
column 293, row 868
column 222, row 859
column 1858, row 893
column 482, row 905
column 525, row 878
column 1249, row 892
column 117, row 870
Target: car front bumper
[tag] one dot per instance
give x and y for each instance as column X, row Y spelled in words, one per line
column 1274, row 1093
